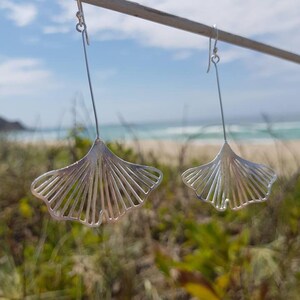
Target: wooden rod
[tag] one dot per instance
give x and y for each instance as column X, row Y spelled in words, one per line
column 150, row 14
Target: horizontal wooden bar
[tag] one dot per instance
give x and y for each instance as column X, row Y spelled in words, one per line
column 150, row 14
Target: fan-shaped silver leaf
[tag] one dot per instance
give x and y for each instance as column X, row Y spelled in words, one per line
column 230, row 180
column 99, row 188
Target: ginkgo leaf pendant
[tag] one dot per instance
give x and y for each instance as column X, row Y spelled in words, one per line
column 99, row 188
column 230, row 180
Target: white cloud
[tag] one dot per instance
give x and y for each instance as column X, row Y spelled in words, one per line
column 20, row 14
column 266, row 20
column 265, row 67
column 23, row 76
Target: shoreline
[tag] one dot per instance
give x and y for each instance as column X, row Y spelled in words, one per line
column 281, row 155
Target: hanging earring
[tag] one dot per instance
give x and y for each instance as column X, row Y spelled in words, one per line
column 229, row 179
column 100, row 187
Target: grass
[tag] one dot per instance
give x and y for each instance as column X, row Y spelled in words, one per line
column 175, row 247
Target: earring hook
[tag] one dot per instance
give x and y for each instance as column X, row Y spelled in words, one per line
column 215, row 58
column 81, row 25
column 213, row 55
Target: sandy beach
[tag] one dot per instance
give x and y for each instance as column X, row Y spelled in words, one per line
column 283, row 156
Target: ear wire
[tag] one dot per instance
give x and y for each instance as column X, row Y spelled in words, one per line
column 215, row 58
column 82, row 28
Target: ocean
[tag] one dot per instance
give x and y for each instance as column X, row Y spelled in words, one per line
column 250, row 132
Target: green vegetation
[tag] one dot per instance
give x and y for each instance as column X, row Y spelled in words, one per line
column 175, row 247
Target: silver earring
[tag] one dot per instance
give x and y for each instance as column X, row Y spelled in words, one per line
column 100, row 187
column 229, row 180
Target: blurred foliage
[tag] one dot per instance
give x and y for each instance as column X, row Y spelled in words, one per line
column 175, row 247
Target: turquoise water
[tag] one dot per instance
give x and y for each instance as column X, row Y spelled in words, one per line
column 255, row 132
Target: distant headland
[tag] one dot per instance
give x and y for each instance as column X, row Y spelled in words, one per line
column 6, row 125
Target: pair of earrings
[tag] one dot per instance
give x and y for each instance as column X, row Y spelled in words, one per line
column 102, row 187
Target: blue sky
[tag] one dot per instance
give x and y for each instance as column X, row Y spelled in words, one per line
column 144, row 71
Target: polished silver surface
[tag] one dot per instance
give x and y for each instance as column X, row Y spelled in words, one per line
column 101, row 187
column 97, row 189
column 230, row 180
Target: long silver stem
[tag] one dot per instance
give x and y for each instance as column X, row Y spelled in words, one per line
column 220, row 99
column 89, row 79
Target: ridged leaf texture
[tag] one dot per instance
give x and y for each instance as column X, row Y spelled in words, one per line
column 230, row 180
column 99, row 188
